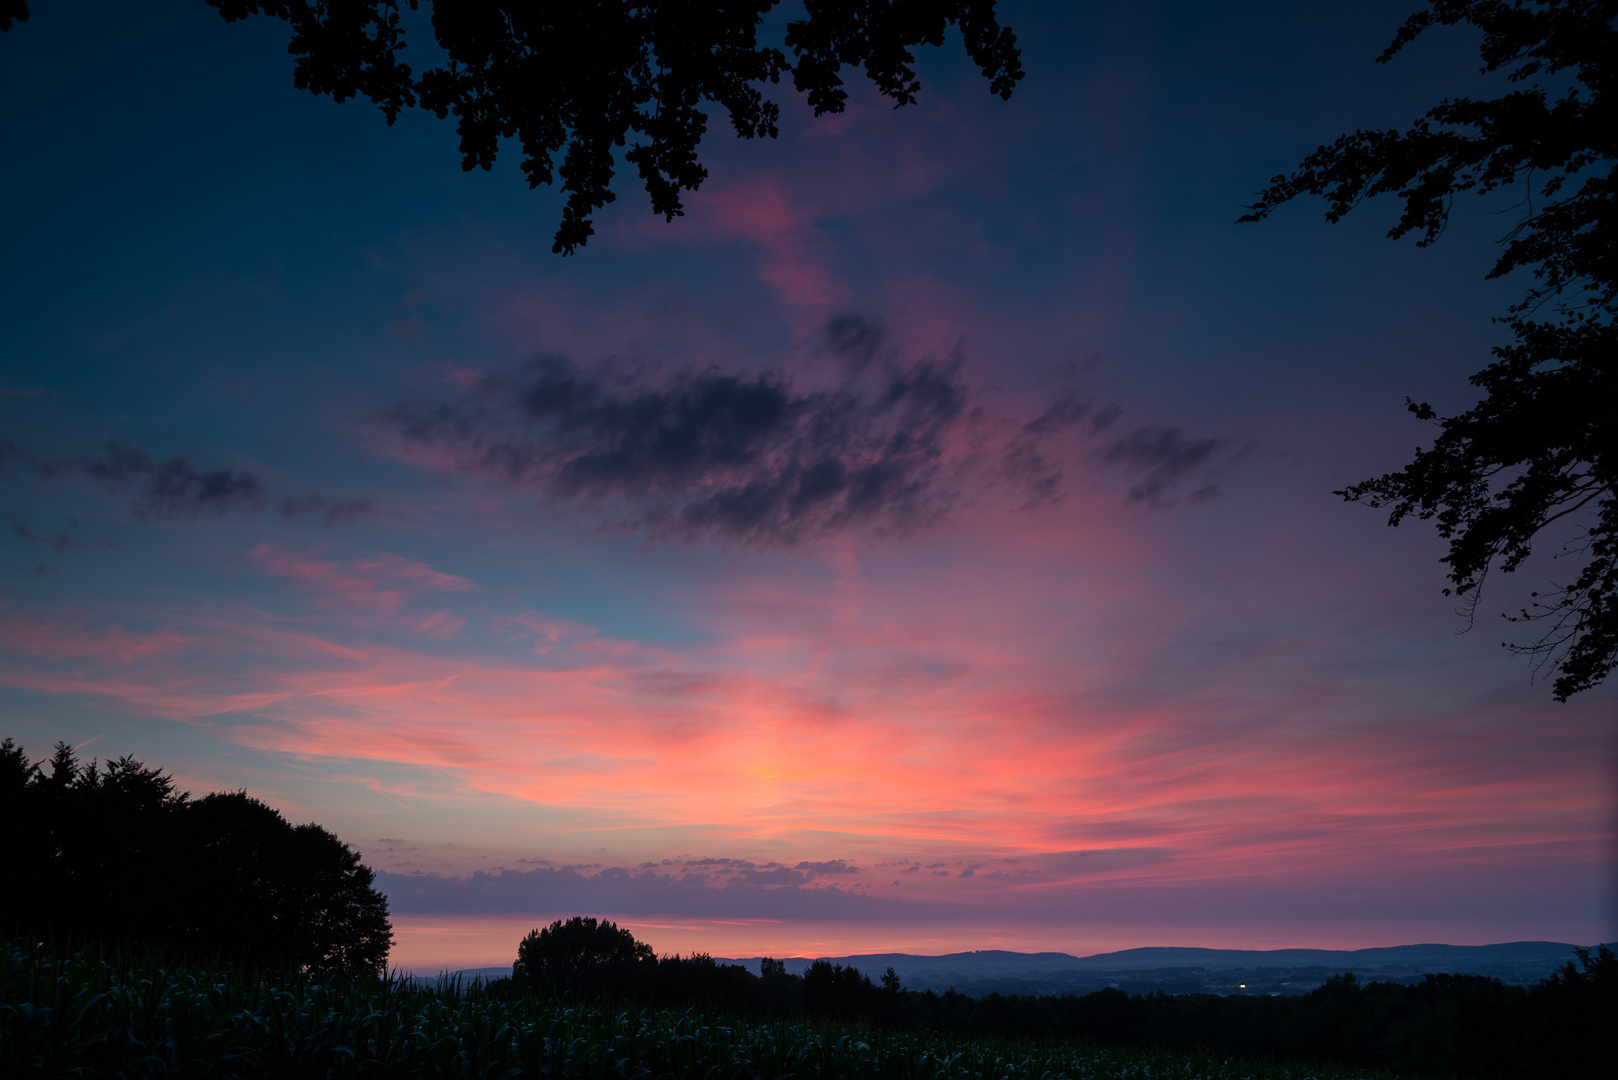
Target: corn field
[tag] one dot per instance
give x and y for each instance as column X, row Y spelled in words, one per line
column 95, row 1015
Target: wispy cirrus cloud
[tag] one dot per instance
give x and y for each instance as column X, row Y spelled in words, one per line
column 329, row 509
column 379, row 584
column 764, row 212
column 1163, row 457
column 70, row 639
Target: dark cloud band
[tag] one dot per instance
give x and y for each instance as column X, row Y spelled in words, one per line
column 744, row 457
column 645, row 892
column 751, row 458
column 178, row 489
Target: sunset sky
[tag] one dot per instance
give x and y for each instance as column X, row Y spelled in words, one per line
column 926, row 543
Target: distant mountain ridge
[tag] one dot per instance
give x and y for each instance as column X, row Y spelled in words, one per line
column 1183, row 970
column 1555, row 953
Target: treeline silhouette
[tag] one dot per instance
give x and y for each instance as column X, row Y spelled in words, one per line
column 1563, row 1028
column 115, row 854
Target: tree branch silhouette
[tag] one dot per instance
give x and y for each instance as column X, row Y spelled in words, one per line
column 578, row 85
column 1538, row 448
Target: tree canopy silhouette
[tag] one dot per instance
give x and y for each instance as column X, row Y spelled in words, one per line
column 115, row 853
column 582, row 955
column 1539, row 447
column 574, row 83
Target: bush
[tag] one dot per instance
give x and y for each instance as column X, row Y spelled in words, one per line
column 583, row 956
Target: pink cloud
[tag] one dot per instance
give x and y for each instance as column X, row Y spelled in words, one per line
column 377, row 585
column 762, row 211
column 935, row 708
column 63, row 638
column 440, row 625
column 547, row 631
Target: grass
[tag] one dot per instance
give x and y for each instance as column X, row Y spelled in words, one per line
column 110, row 1015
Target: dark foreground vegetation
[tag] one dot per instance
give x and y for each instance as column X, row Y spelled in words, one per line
column 152, row 934
column 1446, row 1025
column 105, row 1015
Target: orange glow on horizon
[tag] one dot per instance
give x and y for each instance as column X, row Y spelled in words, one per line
column 927, row 736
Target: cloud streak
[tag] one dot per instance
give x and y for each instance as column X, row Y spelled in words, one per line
column 330, row 510
column 177, row 489
column 641, row 892
column 379, row 585
column 1162, row 457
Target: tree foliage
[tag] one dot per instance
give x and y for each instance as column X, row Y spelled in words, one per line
column 116, row 853
column 1539, row 446
column 577, row 84
column 582, row 955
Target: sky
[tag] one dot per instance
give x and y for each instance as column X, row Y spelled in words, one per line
column 925, row 543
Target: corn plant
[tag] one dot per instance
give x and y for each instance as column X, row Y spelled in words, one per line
column 94, row 1014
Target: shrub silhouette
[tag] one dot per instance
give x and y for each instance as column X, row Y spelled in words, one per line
column 583, row 956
